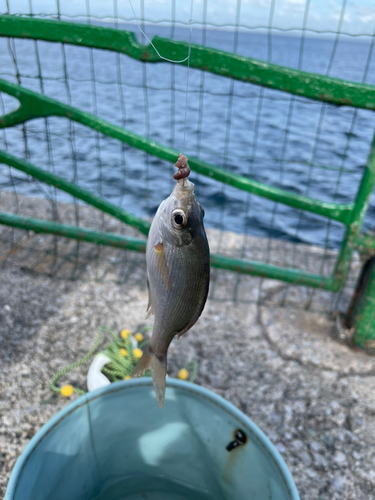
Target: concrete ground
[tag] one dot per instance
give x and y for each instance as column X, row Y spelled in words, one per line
column 313, row 396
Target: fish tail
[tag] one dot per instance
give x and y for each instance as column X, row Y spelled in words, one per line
column 158, row 366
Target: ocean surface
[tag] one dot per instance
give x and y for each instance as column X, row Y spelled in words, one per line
column 302, row 146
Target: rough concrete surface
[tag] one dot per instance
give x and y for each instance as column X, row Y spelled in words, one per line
column 311, row 395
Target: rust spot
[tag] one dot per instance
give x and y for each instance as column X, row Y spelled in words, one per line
column 349, row 102
column 329, row 98
column 352, row 314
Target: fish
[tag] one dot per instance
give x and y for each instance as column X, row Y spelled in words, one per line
column 178, row 274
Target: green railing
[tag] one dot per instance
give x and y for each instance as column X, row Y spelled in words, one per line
column 308, row 85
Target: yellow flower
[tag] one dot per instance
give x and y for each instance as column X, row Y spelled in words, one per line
column 67, row 390
column 137, row 353
column 183, row 374
column 138, row 337
column 125, row 333
column 127, row 377
column 124, row 352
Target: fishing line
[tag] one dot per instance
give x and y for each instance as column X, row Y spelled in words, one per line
column 153, row 46
column 171, row 60
column 187, row 75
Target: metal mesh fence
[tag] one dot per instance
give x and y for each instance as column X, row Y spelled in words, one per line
column 306, row 147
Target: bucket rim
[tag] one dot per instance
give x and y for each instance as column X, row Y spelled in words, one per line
column 184, row 386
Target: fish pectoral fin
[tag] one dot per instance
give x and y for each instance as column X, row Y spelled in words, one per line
column 161, row 264
column 159, row 247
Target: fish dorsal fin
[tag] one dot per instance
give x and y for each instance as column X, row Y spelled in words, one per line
column 162, row 264
column 150, row 309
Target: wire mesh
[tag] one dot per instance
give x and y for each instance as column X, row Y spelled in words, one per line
column 303, row 146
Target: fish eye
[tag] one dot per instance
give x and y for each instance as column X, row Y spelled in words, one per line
column 179, row 218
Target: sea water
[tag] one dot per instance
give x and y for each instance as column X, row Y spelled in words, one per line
column 305, row 147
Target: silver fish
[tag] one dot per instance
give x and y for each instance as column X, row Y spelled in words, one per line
column 178, row 274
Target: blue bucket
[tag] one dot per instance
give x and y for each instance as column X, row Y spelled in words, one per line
column 117, row 444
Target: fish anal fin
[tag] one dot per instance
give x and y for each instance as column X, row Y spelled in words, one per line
column 162, row 264
column 191, row 323
column 144, row 363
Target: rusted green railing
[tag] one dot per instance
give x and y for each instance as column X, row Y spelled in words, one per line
column 317, row 87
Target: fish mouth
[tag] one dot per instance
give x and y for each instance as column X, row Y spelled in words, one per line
column 183, row 188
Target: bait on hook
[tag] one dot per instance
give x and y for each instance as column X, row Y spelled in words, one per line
column 183, row 168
